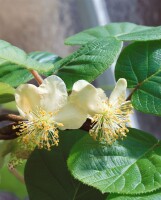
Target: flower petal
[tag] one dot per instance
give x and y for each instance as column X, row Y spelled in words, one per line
column 54, row 94
column 27, row 99
column 71, row 116
column 118, row 95
column 87, row 97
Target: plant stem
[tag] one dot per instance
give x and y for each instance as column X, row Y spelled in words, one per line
column 11, row 117
column 16, row 174
column 130, row 95
column 37, row 77
column 8, row 133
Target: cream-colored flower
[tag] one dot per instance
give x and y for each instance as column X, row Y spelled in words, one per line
column 46, row 109
column 110, row 117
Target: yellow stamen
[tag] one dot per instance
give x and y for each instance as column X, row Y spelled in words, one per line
column 41, row 130
column 111, row 124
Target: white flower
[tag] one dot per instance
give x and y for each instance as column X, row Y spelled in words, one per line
column 109, row 117
column 46, row 109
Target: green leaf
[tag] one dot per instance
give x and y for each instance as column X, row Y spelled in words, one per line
column 143, row 35
column 131, row 166
column 148, row 196
column 122, row 31
column 140, row 65
column 47, row 176
column 11, row 106
column 14, row 75
column 15, row 63
column 6, row 93
column 11, row 55
column 89, row 61
column 45, row 57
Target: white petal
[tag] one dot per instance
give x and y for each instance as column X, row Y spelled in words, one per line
column 54, row 93
column 71, row 116
column 27, row 99
column 87, row 97
column 118, row 95
column 101, row 94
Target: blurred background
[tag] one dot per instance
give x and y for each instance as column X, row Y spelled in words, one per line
column 42, row 25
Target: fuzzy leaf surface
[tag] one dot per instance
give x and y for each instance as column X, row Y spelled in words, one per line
column 131, row 166
column 88, row 62
column 148, row 196
column 140, row 65
column 15, row 65
column 122, row 31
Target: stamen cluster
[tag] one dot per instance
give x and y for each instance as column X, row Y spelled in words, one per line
column 40, row 130
column 112, row 123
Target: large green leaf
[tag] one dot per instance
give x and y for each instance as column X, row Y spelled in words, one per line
column 143, row 35
column 131, row 166
column 45, row 57
column 15, row 63
column 122, row 31
column 148, row 196
column 14, row 75
column 47, row 176
column 140, row 64
column 91, row 60
column 6, row 93
column 11, row 55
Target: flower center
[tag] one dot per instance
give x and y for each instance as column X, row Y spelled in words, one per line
column 40, row 130
column 111, row 124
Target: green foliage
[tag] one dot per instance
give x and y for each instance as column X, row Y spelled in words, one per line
column 6, row 93
column 140, row 65
column 11, row 106
column 122, row 31
column 14, row 62
column 47, row 176
column 131, row 166
column 88, row 62
column 11, row 55
column 14, row 75
column 45, row 57
column 148, row 34
column 149, row 196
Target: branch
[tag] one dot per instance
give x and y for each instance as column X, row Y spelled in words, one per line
column 8, row 133
column 16, row 174
column 130, row 95
column 37, row 77
column 86, row 126
column 11, row 117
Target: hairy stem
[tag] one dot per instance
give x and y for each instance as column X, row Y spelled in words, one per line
column 8, row 133
column 37, row 77
column 11, row 117
column 16, row 174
